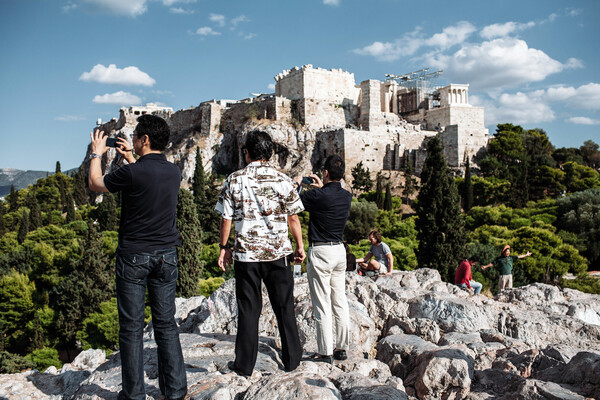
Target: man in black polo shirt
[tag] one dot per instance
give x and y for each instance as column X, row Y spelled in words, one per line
column 328, row 207
column 147, row 254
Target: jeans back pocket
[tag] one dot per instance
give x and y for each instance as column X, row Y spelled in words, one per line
column 133, row 267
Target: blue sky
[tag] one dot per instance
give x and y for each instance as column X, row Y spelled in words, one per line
column 64, row 63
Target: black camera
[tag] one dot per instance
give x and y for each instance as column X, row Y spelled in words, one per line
column 111, row 142
column 307, row 180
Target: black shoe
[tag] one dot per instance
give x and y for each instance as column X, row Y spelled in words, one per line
column 232, row 367
column 320, row 358
column 340, row 355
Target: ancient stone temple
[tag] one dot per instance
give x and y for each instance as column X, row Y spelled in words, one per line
column 316, row 112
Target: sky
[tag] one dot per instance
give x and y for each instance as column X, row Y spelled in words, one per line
column 65, row 63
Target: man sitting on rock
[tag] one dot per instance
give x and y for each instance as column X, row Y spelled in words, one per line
column 383, row 260
column 463, row 276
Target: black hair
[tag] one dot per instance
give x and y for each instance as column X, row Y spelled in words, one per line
column 376, row 235
column 156, row 128
column 474, row 259
column 335, row 165
column 259, row 145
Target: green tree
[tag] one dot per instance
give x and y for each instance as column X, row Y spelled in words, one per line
column 13, row 199
column 107, row 213
column 23, row 227
column 205, row 192
column 379, row 191
column 410, row 183
column 70, row 208
column 101, row 328
column 387, row 203
column 189, row 262
column 16, row 309
column 439, row 225
column 468, row 189
column 2, row 223
column 35, row 215
column 591, row 154
column 44, row 358
column 361, row 178
column 87, row 282
column 579, row 177
column 57, row 169
column 79, row 188
column 361, row 219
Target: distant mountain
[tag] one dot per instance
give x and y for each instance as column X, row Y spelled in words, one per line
column 20, row 179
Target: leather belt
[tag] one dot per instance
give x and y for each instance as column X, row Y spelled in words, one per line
column 314, row 244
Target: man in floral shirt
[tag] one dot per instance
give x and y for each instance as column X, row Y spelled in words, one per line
column 262, row 202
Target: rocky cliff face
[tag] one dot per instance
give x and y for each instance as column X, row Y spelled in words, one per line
column 413, row 336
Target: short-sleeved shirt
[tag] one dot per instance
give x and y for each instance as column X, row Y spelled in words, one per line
column 328, row 208
column 380, row 253
column 505, row 264
column 463, row 274
column 259, row 199
column 149, row 188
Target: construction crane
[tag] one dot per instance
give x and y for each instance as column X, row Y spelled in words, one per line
column 412, row 79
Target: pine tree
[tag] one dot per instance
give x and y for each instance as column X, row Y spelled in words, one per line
column 107, row 214
column 88, row 281
column 57, row 170
column 440, row 227
column 35, row 215
column 79, row 192
column 189, row 264
column 361, row 178
column 387, row 204
column 379, row 191
column 468, row 194
column 23, row 228
column 205, row 193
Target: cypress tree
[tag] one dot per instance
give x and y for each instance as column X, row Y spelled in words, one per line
column 189, row 264
column 468, row 194
column 70, row 208
column 79, row 193
column 23, row 228
column 387, row 204
column 13, row 201
column 410, row 184
column 2, row 223
column 35, row 215
column 440, row 227
column 107, row 214
column 57, row 169
column 205, row 193
column 379, row 191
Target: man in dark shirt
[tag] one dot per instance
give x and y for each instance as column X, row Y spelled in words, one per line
column 328, row 207
column 146, row 255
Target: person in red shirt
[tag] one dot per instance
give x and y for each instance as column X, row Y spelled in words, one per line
column 463, row 276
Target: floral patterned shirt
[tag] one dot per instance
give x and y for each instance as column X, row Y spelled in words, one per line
column 259, row 199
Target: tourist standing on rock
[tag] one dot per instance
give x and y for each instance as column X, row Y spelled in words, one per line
column 263, row 203
column 328, row 206
column 463, row 276
column 146, row 255
column 383, row 260
column 504, row 264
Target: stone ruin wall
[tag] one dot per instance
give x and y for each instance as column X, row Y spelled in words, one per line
column 335, row 85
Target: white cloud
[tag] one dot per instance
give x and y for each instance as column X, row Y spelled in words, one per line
column 409, row 43
column 179, row 10
column 218, row 19
column 169, row 3
column 583, row 121
column 451, row 35
column 120, row 98
column 573, row 12
column 129, row 8
column 503, row 30
column 206, row 31
column 498, row 63
column 271, row 86
column 239, row 19
column 249, row 36
column 518, row 108
column 331, row 2
column 585, row 96
column 114, row 75
column 69, row 118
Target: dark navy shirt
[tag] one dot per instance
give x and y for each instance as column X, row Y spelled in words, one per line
column 149, row 187
column 328, row 208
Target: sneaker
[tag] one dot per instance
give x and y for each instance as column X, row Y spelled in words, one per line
column 340, row 355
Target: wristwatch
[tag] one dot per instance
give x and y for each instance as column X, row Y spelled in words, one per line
column 94, row 155
column 223, row 246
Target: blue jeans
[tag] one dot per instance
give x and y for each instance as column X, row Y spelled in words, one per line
column 475, row 285
column 156, row 270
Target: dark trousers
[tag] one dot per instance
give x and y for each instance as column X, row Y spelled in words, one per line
column 156, row 270
column 279, row 281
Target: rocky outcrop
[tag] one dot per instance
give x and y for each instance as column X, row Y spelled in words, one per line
column 412, row 336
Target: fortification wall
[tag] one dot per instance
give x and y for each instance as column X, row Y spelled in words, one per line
column 334, row 85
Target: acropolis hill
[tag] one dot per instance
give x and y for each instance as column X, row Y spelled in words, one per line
column 316, row 112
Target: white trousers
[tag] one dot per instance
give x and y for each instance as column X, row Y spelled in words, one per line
column 326, row 273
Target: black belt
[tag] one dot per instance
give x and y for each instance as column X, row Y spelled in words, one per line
column 314, row 244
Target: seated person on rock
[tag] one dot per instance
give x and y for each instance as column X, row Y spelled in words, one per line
column 382, row 261
column 463, row 276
